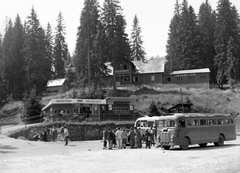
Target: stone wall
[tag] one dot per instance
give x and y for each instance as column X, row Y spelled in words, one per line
column 77, row 131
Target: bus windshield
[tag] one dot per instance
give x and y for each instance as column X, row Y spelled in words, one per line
column 169, row 123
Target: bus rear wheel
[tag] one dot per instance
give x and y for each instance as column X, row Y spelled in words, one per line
column 220, row 141
column 203, row 145
column 184, row 144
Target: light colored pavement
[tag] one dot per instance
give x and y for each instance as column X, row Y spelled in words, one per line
column 19, row 156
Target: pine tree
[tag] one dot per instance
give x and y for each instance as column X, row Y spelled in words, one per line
column 226, row 27
column 189, row 37
column 88, row 44
column 7, row 57
column 35, row 54
column 49, row 52
column 231, row 60
column 123, row 51
column 60, row 49
column 33, row 108
column 3, row 90
column 137, row 50
column 18, row 63
column 207, row 20
column 173, row 45
column 112, row 21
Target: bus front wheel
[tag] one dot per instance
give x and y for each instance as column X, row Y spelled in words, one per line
column 203, row 145
column 220, row 141
column 184, row 144
column 166, row 147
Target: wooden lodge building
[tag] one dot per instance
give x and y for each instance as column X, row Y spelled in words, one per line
column 111, row 108
column 153, row 71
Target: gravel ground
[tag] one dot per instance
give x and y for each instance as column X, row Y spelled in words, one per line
column 20, row 156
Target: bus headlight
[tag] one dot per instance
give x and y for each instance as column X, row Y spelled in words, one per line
column 172, row 136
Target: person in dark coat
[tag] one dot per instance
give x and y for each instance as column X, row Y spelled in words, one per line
column 110, row 138
column 54, row 134
column 139, row 138
column 131, row 136
column 104, row 138
column 148, row 139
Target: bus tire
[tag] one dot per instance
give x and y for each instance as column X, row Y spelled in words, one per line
column 203, row 145
column 166, row 147
column 184, row 144
column 220, row 141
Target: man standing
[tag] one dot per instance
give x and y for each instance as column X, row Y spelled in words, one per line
column 66, row 135
column 104, row 138
column 119, row 137
column 54, row 134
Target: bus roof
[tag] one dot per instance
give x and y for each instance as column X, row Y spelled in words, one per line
column 195, row 115
column 149, row 118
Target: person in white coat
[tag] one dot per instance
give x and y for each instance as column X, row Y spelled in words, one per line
column 119, row 137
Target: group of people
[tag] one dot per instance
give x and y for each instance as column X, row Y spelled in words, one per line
column 54, row 134
column 118, row 138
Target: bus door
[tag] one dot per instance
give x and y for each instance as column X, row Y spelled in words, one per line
column 181, row 128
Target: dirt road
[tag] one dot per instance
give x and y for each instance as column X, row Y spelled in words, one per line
column 19, row 156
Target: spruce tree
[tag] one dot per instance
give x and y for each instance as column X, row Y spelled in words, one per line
column 136, row 43
column 88, row 44
column 34, row 49
column 173, row 45
column 18, row 63
column 189, row 39
column 3, row 90
column 112, row 21
column 231, row 70
column 226, row 27
column 60, row 49
column 207, row 19
column 49, row 52
column 8, row 60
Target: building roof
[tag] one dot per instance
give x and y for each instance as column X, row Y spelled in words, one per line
column 56, row 82
column 150, row 66
column 203, row 70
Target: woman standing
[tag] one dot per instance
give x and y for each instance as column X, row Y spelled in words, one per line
column 124, row 138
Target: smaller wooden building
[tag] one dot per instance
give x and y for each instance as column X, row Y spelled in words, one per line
column 57, row 85
column 111, row 108
column 180, row 108
column 191, row 78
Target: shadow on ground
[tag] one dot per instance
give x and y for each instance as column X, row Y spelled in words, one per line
column 5, row 149
column 210, row 147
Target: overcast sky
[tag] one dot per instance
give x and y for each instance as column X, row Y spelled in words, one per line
column 154, row 17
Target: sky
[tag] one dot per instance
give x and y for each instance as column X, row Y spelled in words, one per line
column 154, row 17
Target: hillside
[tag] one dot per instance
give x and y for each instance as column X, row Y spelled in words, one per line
column 204, row 100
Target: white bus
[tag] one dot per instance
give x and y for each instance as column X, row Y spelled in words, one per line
column 147, row 122
column 186, row 129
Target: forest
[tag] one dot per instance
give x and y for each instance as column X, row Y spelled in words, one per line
column 31, row 54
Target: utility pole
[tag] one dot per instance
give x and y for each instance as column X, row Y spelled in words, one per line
column 182, row 100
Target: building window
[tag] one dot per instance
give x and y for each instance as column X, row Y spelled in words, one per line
column 136, row 79
column 169, row 79
column 126, row 78
column 152, row 78
column 125, row 67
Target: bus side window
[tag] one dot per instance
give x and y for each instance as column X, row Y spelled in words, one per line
column 182, row 123
column 220, row 121
column 227, row 121
column 203, row 122
column 195, row 122
column 189, row 122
